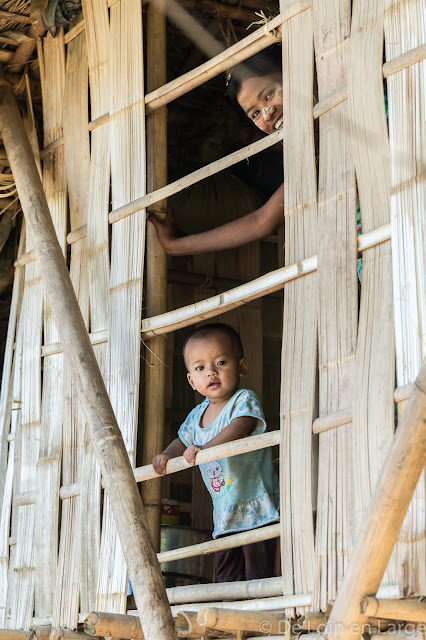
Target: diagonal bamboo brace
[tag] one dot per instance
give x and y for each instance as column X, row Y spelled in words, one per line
column 388, row 506
column 118, row 477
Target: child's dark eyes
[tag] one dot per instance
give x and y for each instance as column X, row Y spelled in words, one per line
column 221, row 362
column 199, row 368
column 255, row 114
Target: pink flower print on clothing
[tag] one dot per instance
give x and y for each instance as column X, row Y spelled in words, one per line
column 214, row 471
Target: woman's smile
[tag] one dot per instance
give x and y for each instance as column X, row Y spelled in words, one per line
column 262, row 100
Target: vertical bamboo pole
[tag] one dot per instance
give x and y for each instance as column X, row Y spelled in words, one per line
column 108, row 443
column 156, row 267
column 383, row 520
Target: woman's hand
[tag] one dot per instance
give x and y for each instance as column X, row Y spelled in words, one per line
column 190, row 453
column 166, row 230
column 159, row 463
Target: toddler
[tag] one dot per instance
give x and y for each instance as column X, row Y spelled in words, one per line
column 244, row 488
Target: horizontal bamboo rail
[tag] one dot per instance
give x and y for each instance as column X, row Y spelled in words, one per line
column 382, row 523
column 266, row 284
column 236, row 447
column 264, row 588
column 408, row 610
column 228, row 542
column 278, row 603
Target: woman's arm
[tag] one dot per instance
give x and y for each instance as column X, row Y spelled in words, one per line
column 253, row 226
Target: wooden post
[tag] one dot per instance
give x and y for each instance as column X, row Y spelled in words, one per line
column 108, row 443
column 383, row 520
column 156, row 268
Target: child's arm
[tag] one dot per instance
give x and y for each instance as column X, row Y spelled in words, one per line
column 175, row 449
column 253, row 226
column 239, row 428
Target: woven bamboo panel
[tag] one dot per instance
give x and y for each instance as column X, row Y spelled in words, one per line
column 49, row 462
column 299, row 345
column 338, row 299
column 127, row 253
column 373, row 419
column 405, row 29
column 11, row 417
column 97, row 40
column 22, row 598
column 77, row 168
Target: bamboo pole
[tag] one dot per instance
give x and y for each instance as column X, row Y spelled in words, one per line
column 9, row 634
column 266, row 587
column 108, row 443
column 156, row 268
column 410, row 610
column 228, row 542
column 45, row 633
column 396, row 484
column 187, row 625
column 258, row 621
column 115, row 625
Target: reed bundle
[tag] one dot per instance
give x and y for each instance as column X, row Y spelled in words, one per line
column 50, row 453
column 373, row 419
column 127, row 253
column 97, row 41
column 338, row 294
column 405, row 29
column 299, row 344
column 77, row 167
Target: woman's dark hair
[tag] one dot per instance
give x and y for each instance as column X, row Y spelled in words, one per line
column 261, row 64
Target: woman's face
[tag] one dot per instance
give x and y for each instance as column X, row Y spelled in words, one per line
column 262, row 100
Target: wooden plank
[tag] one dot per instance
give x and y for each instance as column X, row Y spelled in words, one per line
column 299, row 343
column 97, row 40
column 338, row 298
column 405, row 29
column 77, row 169
column 373, row 418
column 127, row 253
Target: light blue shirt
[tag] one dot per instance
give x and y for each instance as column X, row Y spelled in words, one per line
column 244, row 488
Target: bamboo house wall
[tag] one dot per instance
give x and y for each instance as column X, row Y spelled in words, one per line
column 349, row 354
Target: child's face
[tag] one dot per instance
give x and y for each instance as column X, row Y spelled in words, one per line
column 214, row 369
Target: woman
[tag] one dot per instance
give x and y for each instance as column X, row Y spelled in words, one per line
column 255, row 86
